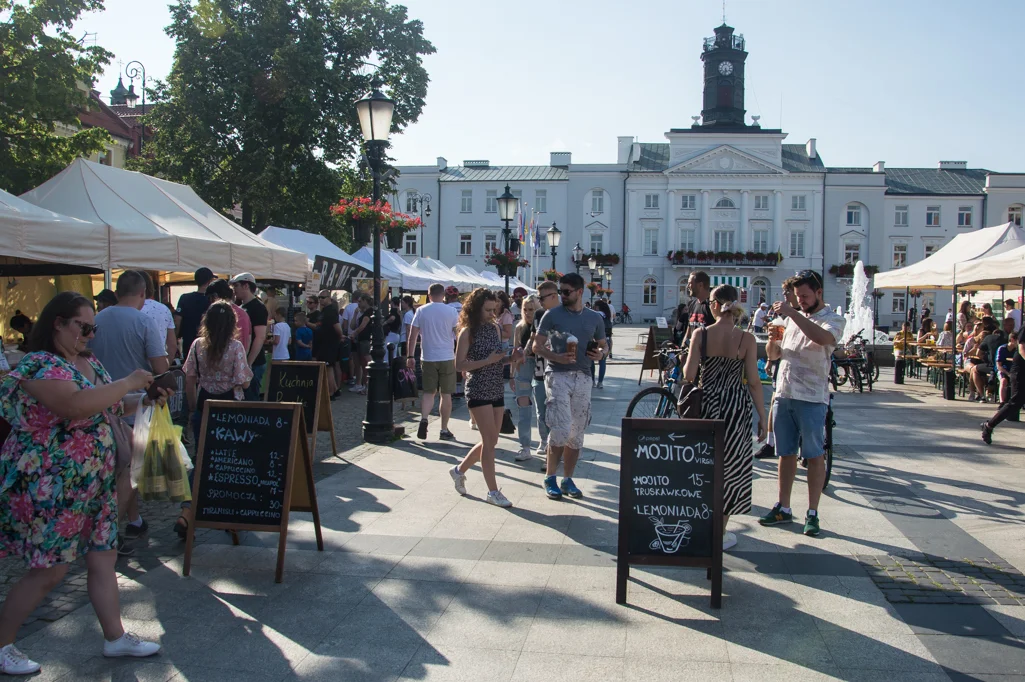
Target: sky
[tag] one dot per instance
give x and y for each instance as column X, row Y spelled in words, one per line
column 908, row 82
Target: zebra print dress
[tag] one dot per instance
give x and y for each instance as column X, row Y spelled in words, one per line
column 724, row 396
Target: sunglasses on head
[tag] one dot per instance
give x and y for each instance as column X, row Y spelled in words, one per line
column 567, row 292
column 804, row 274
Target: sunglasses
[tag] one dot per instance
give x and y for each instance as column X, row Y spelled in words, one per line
column 810, row 273
column 544, row 296
column 87, row 329
column 568, row 292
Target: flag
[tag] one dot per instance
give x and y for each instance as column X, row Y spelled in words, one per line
column 521, row 225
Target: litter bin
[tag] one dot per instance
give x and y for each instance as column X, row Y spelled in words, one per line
column 898, row 371
column 949, row 384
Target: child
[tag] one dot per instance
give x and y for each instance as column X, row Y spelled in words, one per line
column 1005, row 358
column 282, row 334
column 303, row 338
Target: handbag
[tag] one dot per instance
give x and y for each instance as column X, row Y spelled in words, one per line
column 689, row 405
column 507, row 422
column 123, row 435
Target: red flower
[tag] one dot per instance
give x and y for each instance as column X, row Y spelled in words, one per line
column 69, row 524
column 22, row 508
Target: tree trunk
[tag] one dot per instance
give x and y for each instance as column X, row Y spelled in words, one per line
column 247, row 214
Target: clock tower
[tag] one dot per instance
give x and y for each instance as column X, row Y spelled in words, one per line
column 724, row 56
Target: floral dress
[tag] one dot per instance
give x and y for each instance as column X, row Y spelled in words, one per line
column 57, row 483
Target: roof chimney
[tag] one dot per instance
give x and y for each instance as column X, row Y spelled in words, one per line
column 809, row 146
column 879, row 167
column 442, row 163
column 953, row 165
column 624, row 148
column 561, row 159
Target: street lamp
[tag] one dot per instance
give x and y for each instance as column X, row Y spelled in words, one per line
column 134, row 70
column 421, row 205
column 375, row 114
column 578, row 256
column 554, row 236
column 506, row 211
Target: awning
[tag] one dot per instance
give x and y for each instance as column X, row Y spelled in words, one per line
column 737, row 281
column 45, row 242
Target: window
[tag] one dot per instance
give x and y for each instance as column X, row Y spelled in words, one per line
column 411, row 207
column 797, row 244
column 689, row 202
column 543, row 244
column 964, row 216
column 798, row 202
column 597, row 201
column 900, row 216
column 491, row 201
column 900, row 255
column 851, row 252
column 490, row 243
column 541, row 201
column 899, row 303
column 466, row 245
column 930, row 249
column 410, row 242
column 761, row 241
column 853, row 214
column 688, row 240
column 597, row 242
column 932, row 216
column 725, row 202
column 724, row 240
column 761, row 202
column 650, row 241
column 467, row 203
column 650, row 291
column 1014, row 214
column 650, row 201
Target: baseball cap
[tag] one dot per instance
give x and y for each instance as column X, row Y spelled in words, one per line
column 106, row 296
column 763, row 305
column 243, row 277
column 451, row 291
column 519, row 290
column 203, row 275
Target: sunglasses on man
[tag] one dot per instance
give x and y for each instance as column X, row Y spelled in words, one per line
column 568, row 292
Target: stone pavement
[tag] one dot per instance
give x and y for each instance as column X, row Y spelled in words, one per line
column 419, row 583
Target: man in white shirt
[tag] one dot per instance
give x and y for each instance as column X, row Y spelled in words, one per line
column 350, row 320
column 161, row 316
column 434, row 324
column 1012, row 312
column 758, row 320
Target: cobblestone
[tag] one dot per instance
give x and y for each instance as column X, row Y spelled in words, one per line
column 944, row 580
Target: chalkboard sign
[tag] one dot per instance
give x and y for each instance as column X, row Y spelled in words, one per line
column 656, row 337
column 671, row 497
column 294, row 381
column 246, row 475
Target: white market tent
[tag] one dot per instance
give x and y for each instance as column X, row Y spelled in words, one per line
column 1006, row 269
column 946, row 267
column 446, row 275
column 312, row 245
column 36, row 234
column 474, row 276
column 400, row 273
column 159, row 225
column 499, row 280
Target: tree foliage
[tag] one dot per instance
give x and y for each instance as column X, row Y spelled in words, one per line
column 259, row 107
column 45, row 74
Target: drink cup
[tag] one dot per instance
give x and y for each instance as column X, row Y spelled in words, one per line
column 571, row 344
column 775, row 332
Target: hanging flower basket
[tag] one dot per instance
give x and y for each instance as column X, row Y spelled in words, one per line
column 505, row 263
column 363, row 215
column 552, row 275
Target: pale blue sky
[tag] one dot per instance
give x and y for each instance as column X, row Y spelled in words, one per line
column 903, row 81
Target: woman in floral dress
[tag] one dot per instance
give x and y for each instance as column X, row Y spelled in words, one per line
column 57, row 484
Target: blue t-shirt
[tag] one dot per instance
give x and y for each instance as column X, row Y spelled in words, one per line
column 1004, row 359
column 126, row 340
column 304, row 334
column 559, row 322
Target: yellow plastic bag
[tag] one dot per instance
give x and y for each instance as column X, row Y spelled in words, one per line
column 164, row 475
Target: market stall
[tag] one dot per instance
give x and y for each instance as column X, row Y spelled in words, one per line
column 397, row 271
column 447, row 275
column 330, row 266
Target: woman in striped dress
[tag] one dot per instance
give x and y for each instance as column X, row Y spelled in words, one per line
column 730, row 355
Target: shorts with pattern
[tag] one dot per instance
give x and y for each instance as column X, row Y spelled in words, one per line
column 439, row 376
column 568, row 408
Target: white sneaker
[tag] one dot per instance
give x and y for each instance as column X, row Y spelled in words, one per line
column 542, row 450
column 13, row 662
column 473, row 425
column 130, row 645
column 355, row 389
column 728, row 540
column 496, row 498
column 523, row 455
column 459, row 480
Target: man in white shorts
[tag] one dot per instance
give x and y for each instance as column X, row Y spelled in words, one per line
column 434, row 324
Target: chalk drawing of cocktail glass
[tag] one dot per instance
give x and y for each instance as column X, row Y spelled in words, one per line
column 670, row 537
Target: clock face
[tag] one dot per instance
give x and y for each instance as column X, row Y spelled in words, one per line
column 725, row 68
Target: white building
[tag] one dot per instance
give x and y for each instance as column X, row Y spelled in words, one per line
column 724, row 196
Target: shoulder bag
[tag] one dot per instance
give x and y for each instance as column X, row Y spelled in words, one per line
column 689, row 405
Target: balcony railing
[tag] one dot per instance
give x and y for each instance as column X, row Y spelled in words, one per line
column 735, row 41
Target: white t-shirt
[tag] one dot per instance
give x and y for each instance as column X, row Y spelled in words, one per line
column 407, row 320
column 456, row 305
column 437, row 323
column 759, row 318
column 1015, row 314
column 348, row 315
column 284, row 334
column 160, row 315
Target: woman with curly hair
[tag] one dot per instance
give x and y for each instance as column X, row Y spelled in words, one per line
column 480, row 356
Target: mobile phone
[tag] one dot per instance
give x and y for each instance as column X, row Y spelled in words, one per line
column 592, row 346
column 167, row 381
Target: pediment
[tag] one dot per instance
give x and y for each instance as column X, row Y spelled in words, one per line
column 852, row 233
column 596, row 225
column 725, row 159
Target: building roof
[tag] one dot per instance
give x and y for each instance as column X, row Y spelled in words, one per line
column 99, row 115
column 796, row 160
column 130, row 115
column 504, row 174
column 935, row 181
column 654, row 157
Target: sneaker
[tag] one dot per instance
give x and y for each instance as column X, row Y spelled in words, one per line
column 354, row 388
column 421, row 431
column 766, row 452
column 362, row 390
column 729, row 540
column 811, row 525
column 776, row 516
column 600, row 385
column 129, row 644
column 351, row 382
column 542, row 450
column 971, row 397
column 13, row 662
column 134, row 531
column 473, row 425
column 594, row 384
column 987, row 434
column 458, row 479
column 446, row 435
column 552, row 488
column 496, row 498
column 523, row 455
column 568, row 488
column 123, row 548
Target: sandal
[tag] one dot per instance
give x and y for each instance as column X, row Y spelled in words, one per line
column 181, row 526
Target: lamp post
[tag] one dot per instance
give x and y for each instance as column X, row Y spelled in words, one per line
column 578, row 257
column 592, row 265
column 421, row 205
column 134, row 70
column 554, row 236
column 375, row 114
column 506, row 211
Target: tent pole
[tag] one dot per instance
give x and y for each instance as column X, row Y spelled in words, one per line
column 950, row 376
column 907, row 305
column 108, row 279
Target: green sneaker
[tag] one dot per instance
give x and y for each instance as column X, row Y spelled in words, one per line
column 776, row 516
column 811, row 525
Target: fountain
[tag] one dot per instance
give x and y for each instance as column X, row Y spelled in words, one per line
column 859, row 316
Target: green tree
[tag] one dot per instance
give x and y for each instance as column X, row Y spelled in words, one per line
column 45, row 75
column 258, row 108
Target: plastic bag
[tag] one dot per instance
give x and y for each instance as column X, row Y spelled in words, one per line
column 163, row 474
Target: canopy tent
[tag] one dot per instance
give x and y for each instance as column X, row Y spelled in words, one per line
column 50, row 241
column 499, row 280
column 400, row 273
column 475, row 277
column 159, row 225
column 944, row 269
column 312, row 245
column 1006, row 269
column 447, row 275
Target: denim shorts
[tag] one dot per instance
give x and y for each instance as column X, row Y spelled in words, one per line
column 799, row 424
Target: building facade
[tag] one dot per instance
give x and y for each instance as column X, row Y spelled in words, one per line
column 725, row 196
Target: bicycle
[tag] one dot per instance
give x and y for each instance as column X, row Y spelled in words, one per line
column 660, row 402
column 827, row 453
column 623, row 316
column 858, row 365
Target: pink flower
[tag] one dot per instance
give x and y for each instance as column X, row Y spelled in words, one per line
column 56, row 373
column 69, row 524
column 80, row 446
column 22, row 507
column 44, row 488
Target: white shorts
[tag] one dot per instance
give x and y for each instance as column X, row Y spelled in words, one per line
column 568, row 410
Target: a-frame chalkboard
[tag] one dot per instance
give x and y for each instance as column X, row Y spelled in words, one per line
column 304, row 381
column 656, row 337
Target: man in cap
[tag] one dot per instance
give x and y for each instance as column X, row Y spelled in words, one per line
column 519, row 293
column 191, row 308
column 758, row 319
column 244, row 287
column 105, row 299
column 452, row 298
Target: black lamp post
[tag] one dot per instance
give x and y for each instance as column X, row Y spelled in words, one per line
column 375, row 114
column 134, row 70
column 578, row 257
column 422, row 205
column 592, row 265
column 506, row 211
column 554, row 236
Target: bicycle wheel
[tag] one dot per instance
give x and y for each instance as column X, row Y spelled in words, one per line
column 833, row 374
column 653, row 402
column 857, row 379
column 829, row 446
column 869, row 379
column 842, row 377
column 874, row 366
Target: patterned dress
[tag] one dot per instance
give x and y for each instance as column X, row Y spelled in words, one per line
column 57, row 483
column 724, row 396
column 485, row 383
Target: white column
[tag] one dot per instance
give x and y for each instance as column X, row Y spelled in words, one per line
column 743, row 243
column 632, row 224
column 704, row 238
column 672, row 237
column 817, row 262
column 777, row 221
